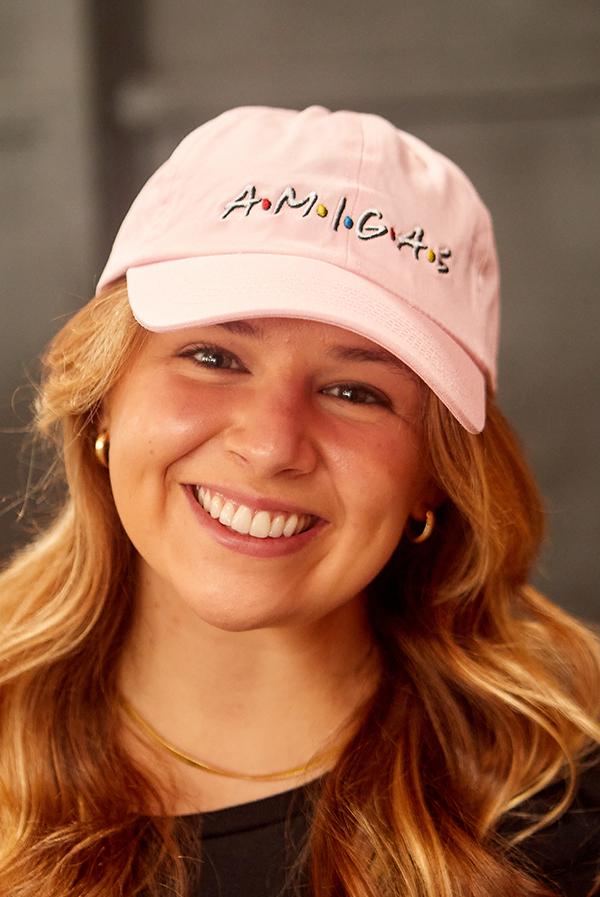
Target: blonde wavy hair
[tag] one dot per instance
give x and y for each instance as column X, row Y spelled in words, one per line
column 489, row 693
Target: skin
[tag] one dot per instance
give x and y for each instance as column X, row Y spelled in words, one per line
column 253, row 663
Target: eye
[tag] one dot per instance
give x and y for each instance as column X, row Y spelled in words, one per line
column 209, row 356
column 375, row 398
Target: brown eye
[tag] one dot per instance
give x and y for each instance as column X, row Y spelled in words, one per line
column 373, row 398
column 208, row 356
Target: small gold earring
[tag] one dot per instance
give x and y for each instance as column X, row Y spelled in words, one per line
column 101, row 448
column 427, row 529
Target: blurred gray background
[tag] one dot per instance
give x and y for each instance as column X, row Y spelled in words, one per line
column 94, row 95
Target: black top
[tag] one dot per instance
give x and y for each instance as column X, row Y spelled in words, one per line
column 244, row 847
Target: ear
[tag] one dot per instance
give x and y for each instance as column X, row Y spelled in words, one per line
column 100, row 427
column 429, row 500
column 102, row 419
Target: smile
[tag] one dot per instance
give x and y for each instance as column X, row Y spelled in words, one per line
column 247, row 521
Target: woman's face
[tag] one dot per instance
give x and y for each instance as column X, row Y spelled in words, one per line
column 271, row 408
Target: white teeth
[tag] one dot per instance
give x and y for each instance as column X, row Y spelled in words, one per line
column 290, row 528
column 216, row 506
column 243, row 520
column 261, row 524
column 226, row 515
column 277, row 526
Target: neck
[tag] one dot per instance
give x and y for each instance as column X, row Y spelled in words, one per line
column 255, row 701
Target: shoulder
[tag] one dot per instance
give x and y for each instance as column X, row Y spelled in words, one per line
column 568, row 850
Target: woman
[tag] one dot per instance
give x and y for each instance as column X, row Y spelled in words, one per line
column 280, row 635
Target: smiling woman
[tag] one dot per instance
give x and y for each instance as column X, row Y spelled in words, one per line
column 234, row 427
column 279, row 638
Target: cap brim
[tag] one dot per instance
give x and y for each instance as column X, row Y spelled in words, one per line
column 212, row 289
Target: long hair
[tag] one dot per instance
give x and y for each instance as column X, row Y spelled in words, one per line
column 489, row 691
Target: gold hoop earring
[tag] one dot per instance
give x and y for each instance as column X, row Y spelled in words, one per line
column 427, row 529
column 101, row 448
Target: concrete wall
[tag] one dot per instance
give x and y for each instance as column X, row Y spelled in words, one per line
column 99, row 94
column 49, row 220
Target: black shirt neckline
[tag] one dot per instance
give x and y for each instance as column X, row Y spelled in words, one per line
column 252, row 814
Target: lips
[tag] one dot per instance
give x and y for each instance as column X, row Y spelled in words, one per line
column 251, row 545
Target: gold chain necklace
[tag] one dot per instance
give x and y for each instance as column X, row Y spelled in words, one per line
column 198, row 764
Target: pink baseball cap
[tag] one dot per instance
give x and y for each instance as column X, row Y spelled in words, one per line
column 337, row 217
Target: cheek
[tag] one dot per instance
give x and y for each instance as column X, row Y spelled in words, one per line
column 153, row 425
column 156, row 428
column 382, row 475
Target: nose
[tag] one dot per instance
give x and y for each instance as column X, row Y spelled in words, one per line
column 270, row 431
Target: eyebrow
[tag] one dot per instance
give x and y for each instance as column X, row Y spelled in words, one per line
column 338, row 351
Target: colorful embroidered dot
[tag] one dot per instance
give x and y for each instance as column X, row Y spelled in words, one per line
column 245, row 201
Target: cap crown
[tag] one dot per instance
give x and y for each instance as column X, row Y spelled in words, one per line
column 344, row 187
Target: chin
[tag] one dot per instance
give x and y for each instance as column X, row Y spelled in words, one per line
column 237, row 616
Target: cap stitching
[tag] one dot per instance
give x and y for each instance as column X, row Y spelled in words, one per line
column 356, row 191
